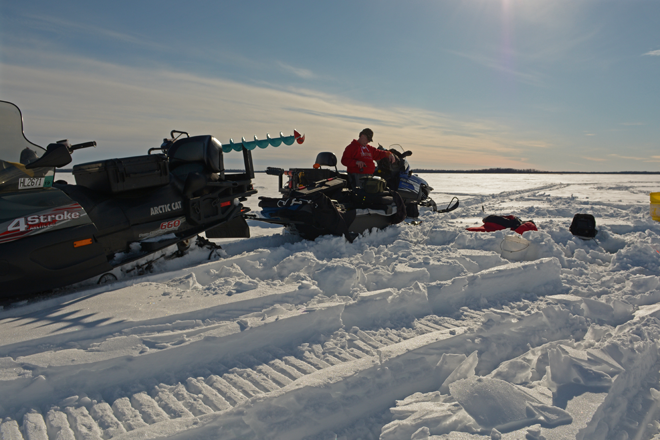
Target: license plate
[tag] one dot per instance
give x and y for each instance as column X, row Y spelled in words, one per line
column 30, row 182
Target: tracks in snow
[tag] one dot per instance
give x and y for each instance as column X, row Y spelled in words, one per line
column 267, row 367
column 231, row 385
column 287, row 391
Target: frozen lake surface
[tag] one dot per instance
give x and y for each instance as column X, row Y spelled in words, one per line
column 412, row 332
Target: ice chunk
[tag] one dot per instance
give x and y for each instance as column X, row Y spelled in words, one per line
column 464, row 370
column 448, row 363
column 431, row 413
column 567, row 368
column 515, row 370
column 494, row 403
column 422, row 433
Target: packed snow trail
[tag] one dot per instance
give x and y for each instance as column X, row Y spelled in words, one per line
column 387, row 337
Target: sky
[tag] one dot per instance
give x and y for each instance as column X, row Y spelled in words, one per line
column 550, row 85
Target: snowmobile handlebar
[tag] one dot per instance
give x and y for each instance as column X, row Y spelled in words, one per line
column 58, row 154
column 82, row 145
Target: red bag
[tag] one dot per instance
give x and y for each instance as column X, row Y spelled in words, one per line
column 499, row 222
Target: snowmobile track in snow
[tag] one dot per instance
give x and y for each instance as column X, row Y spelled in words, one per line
column 233, row 386
column 226, row 389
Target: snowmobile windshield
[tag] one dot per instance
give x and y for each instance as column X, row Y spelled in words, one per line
column 16, row 152
column 405, row 169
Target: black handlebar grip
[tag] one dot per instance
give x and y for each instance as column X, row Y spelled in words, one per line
column 83, row 145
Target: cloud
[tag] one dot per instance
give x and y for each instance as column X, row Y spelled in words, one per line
column 299, row 72
column 533, row 79
column 618, row 156
column 534, row 144
column 58, row 25
column 653, row 53
column 128, row 110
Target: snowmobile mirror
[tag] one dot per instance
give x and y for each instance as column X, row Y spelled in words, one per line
column 27, row 156
column 56, row 155
column 407, row 153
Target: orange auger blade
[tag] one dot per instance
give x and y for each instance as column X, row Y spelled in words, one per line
column 299, row 138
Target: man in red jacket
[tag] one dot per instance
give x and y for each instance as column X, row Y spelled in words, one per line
column 359, row 156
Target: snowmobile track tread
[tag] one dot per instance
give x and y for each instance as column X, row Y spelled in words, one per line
column 220, row 390
column 226, row 390
column 171, row 405
column 209, row 396
column 83, row 423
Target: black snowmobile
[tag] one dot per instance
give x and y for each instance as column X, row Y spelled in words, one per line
column 318, row 201
column 53, row 233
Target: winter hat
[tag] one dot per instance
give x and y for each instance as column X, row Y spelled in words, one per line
column 368, row 133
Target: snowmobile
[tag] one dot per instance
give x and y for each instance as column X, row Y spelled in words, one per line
column 318, row 201
column 53, row 234
column 414, row 190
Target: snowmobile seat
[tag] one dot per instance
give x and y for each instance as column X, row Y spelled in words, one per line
column 327, row 159
column 202, row 154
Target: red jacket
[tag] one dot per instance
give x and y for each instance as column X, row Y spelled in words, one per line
column 367, row 154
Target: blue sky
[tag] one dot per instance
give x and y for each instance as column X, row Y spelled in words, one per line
column 550, row 85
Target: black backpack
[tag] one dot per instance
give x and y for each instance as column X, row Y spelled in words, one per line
column 583, row 226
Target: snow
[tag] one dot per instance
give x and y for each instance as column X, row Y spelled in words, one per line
column 413, row 332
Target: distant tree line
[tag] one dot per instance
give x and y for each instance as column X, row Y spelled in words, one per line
column 529, row 171
column 487, row 170
column 482, row 171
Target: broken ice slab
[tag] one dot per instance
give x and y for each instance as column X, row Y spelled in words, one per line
column 494, row 403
